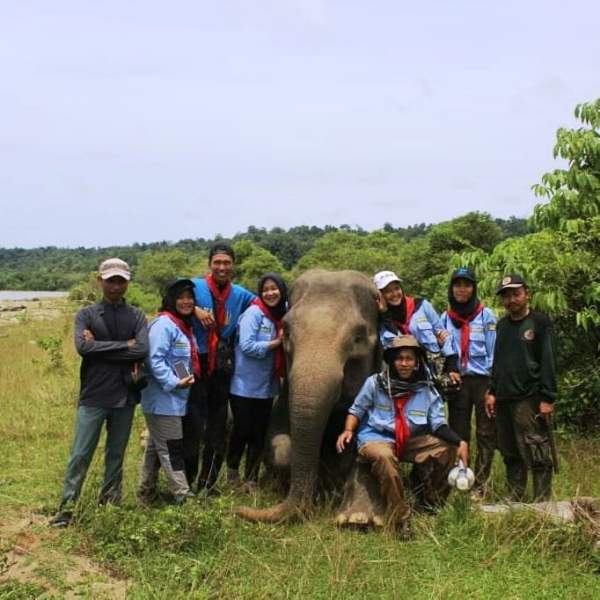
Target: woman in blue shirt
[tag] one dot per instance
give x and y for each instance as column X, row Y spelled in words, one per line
column 399, row 416
column 259, row 366
column 164, row 400
column 472, row 327
column 401, row 314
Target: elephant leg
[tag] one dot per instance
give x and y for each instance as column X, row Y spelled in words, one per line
column 362, row 505
column 278, row 446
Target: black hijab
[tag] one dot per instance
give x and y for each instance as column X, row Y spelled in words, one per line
column 174, row 290
column 277, row 311
column 463, row 309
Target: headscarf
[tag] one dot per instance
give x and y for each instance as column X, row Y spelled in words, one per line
column 400, row 391
column 274, row 314
column 168, row 309
column 462, row 313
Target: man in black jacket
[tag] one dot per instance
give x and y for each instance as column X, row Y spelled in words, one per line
column 523, row 390
column 112, row 338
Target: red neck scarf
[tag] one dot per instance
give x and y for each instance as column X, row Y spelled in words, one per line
column 410, row 311
column 464, row 331
column 402, row 426
column 220, row 297
column 189, row 334
column 279, row 355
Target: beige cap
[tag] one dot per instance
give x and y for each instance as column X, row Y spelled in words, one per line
column 114, row 267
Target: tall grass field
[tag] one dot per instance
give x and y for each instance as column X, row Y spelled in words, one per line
column 202, row 550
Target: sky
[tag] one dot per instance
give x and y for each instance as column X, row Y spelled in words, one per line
column 136, row 121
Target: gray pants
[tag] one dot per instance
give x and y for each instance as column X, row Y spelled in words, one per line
column 164, row 449
column 90, row 420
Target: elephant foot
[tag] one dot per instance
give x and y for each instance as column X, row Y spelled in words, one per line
column 359, row 519
column 280, row 513
column 362, row 505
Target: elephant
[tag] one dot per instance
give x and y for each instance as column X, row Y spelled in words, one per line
column 331, row 345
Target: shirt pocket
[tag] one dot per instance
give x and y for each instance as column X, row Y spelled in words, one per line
column 477, row 343
column 424, row 333
column 417, row 416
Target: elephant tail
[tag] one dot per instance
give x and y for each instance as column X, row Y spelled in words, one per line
column 280, row 513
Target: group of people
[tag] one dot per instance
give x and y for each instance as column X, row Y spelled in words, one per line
column 503, row 371
column 215, row 345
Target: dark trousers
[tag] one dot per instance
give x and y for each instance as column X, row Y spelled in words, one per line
column 206, row 419
column 250, row 422
column 460, row 409
column 524, row 444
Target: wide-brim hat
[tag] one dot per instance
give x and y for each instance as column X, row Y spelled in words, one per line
column 393, row 345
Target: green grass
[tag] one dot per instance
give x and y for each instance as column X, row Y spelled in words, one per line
column 203, row 551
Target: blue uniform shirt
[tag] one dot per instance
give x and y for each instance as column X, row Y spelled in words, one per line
column 239, row 300
column 423, row 325
column 168, row 345
column 377, row 413
column 254, row 362
column 482, row 337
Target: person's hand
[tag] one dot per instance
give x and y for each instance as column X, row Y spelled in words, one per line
column 455, row 377
column 442, row 335
column 490, row 405
column 463, row 453
column 88, row 336
column 205, row 317
column 381, row 302
column 343, row 440
column 186, row 382
column 131, row 342
column 546, row 408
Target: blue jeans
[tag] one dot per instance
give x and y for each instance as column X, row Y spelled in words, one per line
column 90, row 420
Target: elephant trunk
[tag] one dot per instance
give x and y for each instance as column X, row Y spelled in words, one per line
column 311, row 401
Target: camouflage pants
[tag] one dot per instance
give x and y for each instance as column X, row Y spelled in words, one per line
column 524, row 445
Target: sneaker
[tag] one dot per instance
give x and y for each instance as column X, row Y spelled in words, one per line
column 63, row 519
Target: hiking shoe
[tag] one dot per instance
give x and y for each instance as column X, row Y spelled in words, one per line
column 62, row 519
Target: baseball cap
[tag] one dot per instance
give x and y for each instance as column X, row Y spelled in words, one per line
column 112, row 267
column 384, row 278
column 464, row 273
column 510, row 282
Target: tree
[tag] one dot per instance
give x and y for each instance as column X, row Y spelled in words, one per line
column 252, row 262
column 155, row 269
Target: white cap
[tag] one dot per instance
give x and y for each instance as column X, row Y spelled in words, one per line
column 384, row 278
column 114, row 267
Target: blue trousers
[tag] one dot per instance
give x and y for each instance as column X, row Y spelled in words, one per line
column 90, row 420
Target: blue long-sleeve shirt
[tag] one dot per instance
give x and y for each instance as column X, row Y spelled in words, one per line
column 254, row 362
column 168, row 345
column 239, row 300
column 423, row 325
column 482, row 337
column 377, row 413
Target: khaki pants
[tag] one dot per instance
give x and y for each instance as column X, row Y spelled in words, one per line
column 432, row 458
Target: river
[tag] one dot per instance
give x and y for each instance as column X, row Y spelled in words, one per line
column 27, row 295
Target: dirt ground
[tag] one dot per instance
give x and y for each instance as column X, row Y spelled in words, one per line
column 16, row 311
column 30, row 557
